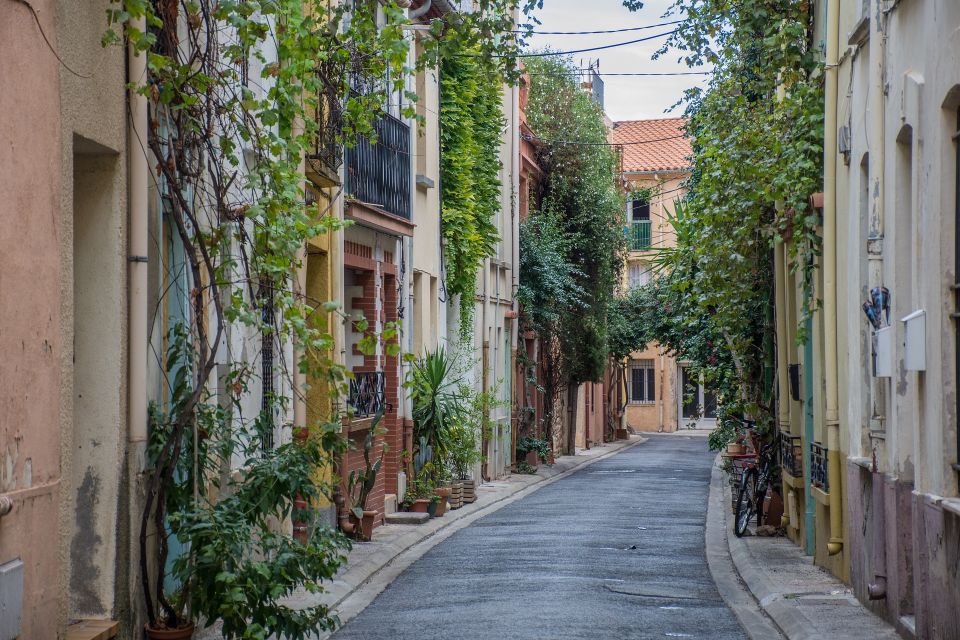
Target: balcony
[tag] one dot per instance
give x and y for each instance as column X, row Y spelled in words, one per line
column 323, row 164
column 379, row 175
column 791, row 454
column 819, row 459
column 366, row 396
column 639, row 235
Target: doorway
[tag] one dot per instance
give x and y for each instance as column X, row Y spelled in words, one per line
column 697, row 403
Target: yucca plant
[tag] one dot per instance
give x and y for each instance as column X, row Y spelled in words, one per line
column 438, row 405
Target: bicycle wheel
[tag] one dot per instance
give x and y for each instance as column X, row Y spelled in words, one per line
column 746, row 500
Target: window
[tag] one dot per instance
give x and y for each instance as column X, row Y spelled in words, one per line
column 639, row 209
column 642, row 386
column 639, row 274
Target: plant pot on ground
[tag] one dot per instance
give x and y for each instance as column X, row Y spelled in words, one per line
column 420, row 505
column 443, row 496
column 364, row 527
column 183, row 633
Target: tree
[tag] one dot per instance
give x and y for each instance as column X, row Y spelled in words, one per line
column 579, row 193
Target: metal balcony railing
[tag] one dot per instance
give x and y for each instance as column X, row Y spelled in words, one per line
column 380, row 174
column 327, row 155
column 819, row 459
column 791, row 454
column 366, row 396
column 640, row 235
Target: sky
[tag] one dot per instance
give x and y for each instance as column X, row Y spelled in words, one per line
column 626, row 98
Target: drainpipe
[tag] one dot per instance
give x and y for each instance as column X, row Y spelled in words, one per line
column 138, row 246
column 835, row 544
column 783, row 384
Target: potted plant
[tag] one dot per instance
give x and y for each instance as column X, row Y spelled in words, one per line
column 464, row 454
column 420, row 493
column 361, row 483
column 532, row 450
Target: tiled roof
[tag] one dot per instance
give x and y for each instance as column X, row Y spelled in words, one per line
column 670, row 152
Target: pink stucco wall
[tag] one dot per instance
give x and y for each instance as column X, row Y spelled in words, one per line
column 30, row 341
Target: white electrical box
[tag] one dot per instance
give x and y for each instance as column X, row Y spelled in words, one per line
column 11, row 599
column 915, row 341
column 883, row 352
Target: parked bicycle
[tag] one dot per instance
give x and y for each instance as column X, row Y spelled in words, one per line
column 754, row 482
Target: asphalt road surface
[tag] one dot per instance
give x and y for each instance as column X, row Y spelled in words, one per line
column 613, row 551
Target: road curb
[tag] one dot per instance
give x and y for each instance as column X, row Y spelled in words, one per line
column 368, row 587
column 730, row 583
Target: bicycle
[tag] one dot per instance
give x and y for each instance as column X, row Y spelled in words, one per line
column 754, row 481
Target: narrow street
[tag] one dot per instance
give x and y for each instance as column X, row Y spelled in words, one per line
column 613, row 551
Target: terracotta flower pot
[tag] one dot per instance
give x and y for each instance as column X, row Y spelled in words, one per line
column 346, row 523
column 444, row 494
column 532, row 458
column 366, row 525
column 420, row 505
column 183, row 633
column 735, row 448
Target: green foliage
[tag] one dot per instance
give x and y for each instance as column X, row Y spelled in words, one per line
column 526, row 468
column 528, row 444
column 579, row 195
column 470, row 125
column 757, row 136
column 464, row 449
column 438, row 405
column 550, row 284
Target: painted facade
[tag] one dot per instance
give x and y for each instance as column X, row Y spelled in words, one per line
column 882, row 509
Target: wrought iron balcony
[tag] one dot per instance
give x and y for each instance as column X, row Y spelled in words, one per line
column 366, row 395
column 819, row 459
column 323, row 164
column 791, row 454
column 640, row 235
column 380, row 174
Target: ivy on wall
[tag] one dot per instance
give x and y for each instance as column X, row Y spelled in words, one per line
column 470, row 124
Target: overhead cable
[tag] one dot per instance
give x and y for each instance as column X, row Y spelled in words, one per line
column 597, row 32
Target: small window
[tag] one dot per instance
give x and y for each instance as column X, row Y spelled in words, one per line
column 639, row 274
column 639, row 209
column 642, row 386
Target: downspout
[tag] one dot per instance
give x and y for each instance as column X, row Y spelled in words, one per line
column 139, row 243
column 835, row 544
column 877, row 590
column 783, row 383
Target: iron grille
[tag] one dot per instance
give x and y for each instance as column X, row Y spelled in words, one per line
column 791, row 454
column 640, row 233
column 328, row 150
column 379, row 174
column 819, row 458
column 367, row 392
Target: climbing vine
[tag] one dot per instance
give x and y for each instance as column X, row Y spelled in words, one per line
column 470, row 124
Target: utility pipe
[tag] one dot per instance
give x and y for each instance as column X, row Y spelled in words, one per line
column 783, row 383
column 835, row 544
column 138, row 243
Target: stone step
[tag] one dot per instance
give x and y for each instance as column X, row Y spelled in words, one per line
column 407, row 517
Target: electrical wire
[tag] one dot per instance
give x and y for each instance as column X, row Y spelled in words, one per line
column 544, row 54
column 597, row 32
column 586, row 72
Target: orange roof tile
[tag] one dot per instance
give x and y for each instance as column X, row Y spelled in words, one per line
column 669, row 152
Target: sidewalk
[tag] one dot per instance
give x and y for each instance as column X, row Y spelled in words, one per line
column 372, row 566
column 802, row 600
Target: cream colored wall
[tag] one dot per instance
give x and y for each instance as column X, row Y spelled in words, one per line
column 921, row 91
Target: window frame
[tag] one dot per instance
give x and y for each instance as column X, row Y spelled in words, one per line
column 648, row 382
